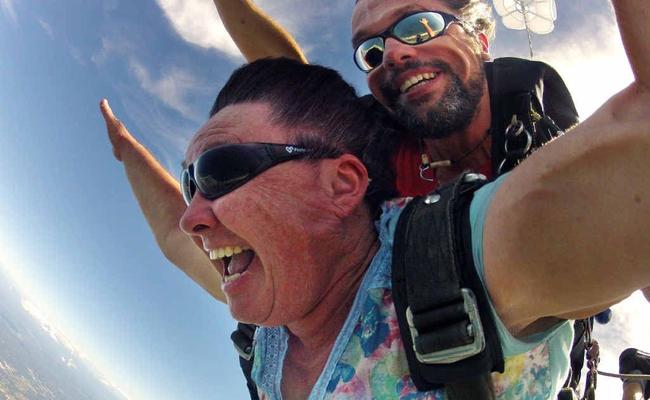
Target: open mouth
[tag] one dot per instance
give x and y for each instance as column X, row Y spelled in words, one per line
column 415, row 80
column 236, row 261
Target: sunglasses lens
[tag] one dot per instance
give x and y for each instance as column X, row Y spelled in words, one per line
column 223, row 169
column 419, row 28
column 187, row 186
column 370, row 53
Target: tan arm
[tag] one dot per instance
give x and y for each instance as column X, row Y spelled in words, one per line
column 567, row 233
column 632, row 17
column 162, row 204
column 255, row 33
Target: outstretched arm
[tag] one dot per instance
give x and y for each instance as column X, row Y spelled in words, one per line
column 567, row 232
column 162, row 205
column 255, row 33
column 632, row 17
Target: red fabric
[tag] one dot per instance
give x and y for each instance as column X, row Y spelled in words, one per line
column 406, row 161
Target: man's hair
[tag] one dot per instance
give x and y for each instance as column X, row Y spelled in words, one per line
column 477, row 13
column 321, row 111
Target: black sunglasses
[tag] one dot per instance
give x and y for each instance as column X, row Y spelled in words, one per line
column 222, row 169
column 412, row 29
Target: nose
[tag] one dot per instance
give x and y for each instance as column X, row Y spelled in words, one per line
column 198, row 217
column 397, row 53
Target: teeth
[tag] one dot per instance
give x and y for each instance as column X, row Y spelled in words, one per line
column 229, row 251
column 229, row 278
column 415, row 80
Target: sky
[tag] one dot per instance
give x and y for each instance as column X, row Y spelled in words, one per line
column 71, row 234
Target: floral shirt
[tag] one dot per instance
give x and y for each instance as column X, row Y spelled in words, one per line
column 368, row 359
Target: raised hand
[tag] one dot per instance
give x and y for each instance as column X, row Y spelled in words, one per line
column 117, row 132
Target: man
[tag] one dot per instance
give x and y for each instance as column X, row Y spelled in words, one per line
column 308, row 252
column 436, row 86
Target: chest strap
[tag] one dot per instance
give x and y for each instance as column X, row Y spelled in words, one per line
column 242, row 338
column 445, row 321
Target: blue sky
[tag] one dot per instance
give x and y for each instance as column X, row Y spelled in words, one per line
column 71, row 234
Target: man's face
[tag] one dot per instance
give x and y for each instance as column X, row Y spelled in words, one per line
column 434, row 87
column 272, row 217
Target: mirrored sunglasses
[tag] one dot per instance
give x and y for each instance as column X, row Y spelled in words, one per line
column 413, row 29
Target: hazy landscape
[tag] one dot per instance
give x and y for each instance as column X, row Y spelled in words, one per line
column 36, row 363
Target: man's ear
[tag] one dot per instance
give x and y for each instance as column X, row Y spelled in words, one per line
column 484, row 43
column 347, row 180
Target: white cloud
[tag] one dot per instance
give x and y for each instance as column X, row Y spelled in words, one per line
column 76, row 54
column 197, row 22
column 166, row 137
column 171, row 88
column 46, row 324
column 69, row 362
column 7, row 7
column 592, row 63
column 118, row 44
column 46, row 27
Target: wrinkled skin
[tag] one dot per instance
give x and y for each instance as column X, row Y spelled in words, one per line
column 287, row 216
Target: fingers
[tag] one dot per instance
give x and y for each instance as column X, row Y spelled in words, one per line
column 114, row 127
column 107, row 112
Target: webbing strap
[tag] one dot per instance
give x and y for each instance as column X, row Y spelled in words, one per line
column 441, row 305
column 242, row 339
column 533, row 92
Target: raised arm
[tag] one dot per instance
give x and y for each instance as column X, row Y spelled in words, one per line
column 255, row 33
column 632, row 17
column 567, row 232
column 162, row 204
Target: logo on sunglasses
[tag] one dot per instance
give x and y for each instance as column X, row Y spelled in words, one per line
column 292, row 149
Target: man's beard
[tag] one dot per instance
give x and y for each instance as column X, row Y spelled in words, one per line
column 453, row 112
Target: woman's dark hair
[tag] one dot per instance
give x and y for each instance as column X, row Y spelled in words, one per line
column 322, row 110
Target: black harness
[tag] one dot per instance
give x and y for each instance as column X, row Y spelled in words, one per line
column 448, row 331
column 442, row 308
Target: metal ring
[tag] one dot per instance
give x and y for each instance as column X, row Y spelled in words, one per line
column 529, row 143
column 518, row 124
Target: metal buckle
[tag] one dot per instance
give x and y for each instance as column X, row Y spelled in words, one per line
column 451, row 355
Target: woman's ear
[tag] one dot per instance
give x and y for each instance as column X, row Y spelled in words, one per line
column 348, row 182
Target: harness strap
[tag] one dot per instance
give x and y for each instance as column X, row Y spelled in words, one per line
column 443, row 312
column 242, row 339
column 530, row 105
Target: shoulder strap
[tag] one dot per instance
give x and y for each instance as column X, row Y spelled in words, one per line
column 530, row 105
column 242, row 339
column 445, row 322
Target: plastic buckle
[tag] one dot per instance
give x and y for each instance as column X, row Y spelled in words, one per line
column 243, row 344
column 454, row 354
column 246, row 353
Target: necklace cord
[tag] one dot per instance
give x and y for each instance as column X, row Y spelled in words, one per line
column 426, row 164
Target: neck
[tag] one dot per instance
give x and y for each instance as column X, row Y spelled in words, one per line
column 315, row 333
column 467, row 149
